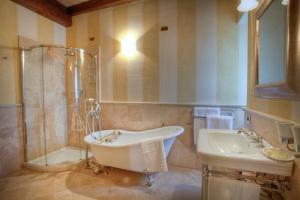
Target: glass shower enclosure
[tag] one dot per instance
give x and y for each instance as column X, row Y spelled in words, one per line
column 56, row 81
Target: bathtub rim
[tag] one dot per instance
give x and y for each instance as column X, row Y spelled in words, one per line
column 90, row 141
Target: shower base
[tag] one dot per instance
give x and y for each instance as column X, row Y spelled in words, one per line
column 60, row 160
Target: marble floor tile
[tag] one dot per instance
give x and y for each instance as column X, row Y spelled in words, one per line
column 83, row 184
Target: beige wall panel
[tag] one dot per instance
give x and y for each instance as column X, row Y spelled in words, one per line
column 227, row 38
column 9, row 26
column 120, row 64
column 282, row 107
column 45, row 30
column 168, row 51
column 27, row 23
column 151, row 51
column 107, row 48
column 186, row 69
column 8, row 57
column 93, row 32
column 59, row 34
column 135, row 64
column 71, row 35
column 81, row 28
column 206, row 52
column 8, row 77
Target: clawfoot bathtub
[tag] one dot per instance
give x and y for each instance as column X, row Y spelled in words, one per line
column 126, row 152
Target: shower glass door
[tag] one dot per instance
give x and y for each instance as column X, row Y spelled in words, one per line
column 55, row 106
column 82, row 85
column 33, row 100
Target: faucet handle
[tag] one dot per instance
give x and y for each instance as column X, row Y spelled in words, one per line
column 248, row 132
column 260, row 142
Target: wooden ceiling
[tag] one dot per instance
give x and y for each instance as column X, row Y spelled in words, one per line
column 56, row 11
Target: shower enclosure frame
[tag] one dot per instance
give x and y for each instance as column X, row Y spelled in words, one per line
column 24, row 130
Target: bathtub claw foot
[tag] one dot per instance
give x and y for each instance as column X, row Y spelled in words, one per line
column 149, row 183
column 96, row 170
column 95, row 167
column 148, row 177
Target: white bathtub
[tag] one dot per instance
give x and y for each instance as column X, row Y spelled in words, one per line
column 126, row 152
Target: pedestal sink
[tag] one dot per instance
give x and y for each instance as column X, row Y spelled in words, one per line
column 229, row 149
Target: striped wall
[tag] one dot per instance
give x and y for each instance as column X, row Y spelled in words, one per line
column 39, row 28
column 17, row 21
column 195, row 61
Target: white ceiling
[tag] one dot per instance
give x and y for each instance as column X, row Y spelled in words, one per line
column 68, row 3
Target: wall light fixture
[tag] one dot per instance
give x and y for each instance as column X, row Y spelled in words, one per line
column 128, row 45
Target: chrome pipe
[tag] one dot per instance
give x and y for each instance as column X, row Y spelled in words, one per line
column 43, row 108
column 205, row 176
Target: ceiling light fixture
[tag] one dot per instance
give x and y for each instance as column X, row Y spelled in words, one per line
column 285, row 2
column 247, row 5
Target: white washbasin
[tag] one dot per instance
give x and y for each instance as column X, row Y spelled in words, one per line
column 226, row 148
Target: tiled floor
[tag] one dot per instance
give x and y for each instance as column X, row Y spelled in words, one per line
column 82, row 184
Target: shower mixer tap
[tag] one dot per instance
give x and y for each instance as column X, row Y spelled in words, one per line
column 92, row 114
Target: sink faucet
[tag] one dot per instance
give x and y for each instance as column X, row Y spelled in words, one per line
column 259, row 141
column 252, row 136
column 248, row 132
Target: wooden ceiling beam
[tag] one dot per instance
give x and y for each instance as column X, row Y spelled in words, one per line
column 61, row 14
column 92, row 5
column 50, row 9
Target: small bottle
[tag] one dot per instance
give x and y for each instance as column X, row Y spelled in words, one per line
column 116, row 134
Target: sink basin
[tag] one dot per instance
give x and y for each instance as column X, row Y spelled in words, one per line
column 227, row 148
column 229, row 143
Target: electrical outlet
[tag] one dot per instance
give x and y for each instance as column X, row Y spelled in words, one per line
column 248, row 118
column 164, row 28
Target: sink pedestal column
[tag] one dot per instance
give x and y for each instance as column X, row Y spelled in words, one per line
column 204, row 181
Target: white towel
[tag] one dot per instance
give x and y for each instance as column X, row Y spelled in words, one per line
column 219, row 122
column 154, row 155
column 204, row 111
column 228, row 189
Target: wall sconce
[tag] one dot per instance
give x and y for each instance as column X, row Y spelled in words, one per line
column 128, row 45
column 247, row 5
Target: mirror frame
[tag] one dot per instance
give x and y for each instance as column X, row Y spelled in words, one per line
column 287, row 89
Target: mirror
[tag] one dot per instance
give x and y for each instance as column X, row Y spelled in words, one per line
column 275, row 65
column 272, row 44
